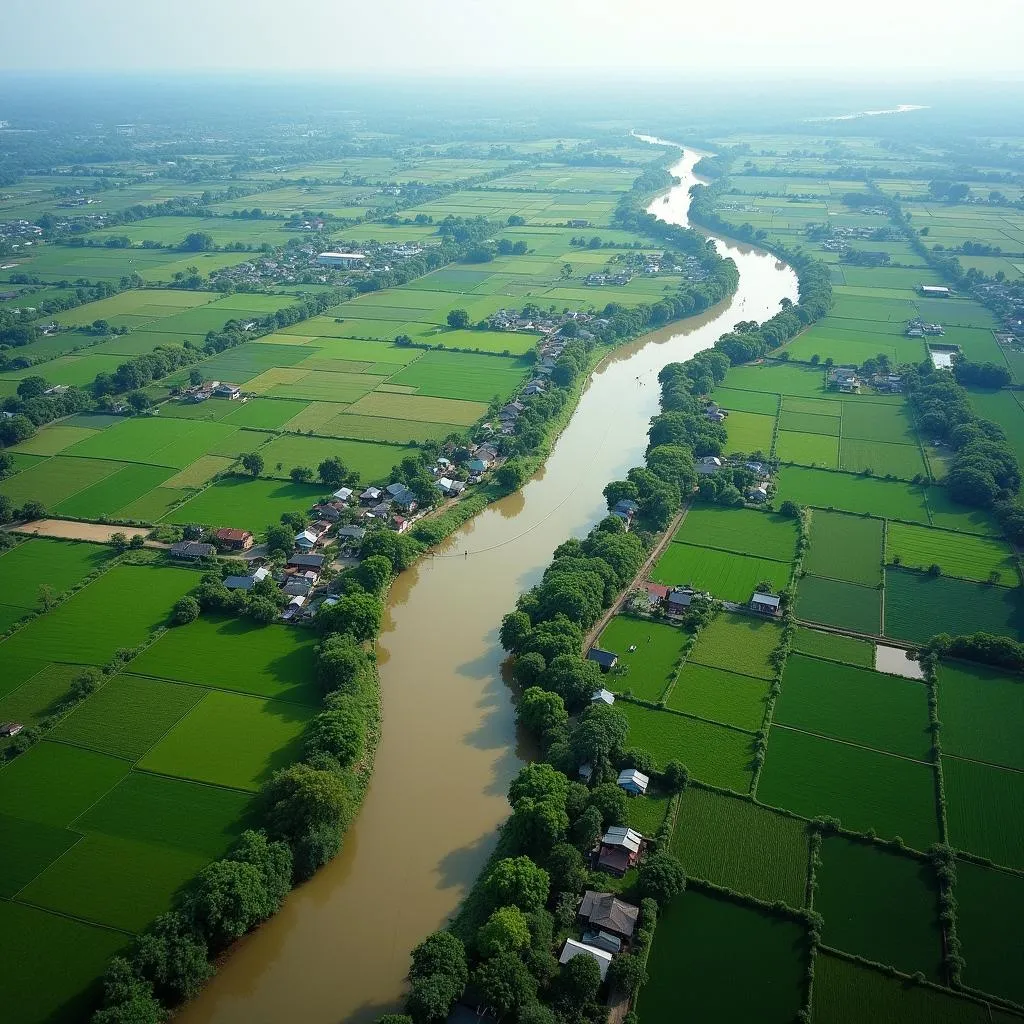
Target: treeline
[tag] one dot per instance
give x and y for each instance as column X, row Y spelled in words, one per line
column 984, row 470
column 303, row 812
column 29, row 409
column 987, row 648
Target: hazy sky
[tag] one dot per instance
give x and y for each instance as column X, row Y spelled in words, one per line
column 891, row 38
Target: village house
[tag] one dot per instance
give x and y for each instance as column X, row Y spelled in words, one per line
column 306, row 561
column 350, row 534
column 620, row 850
column 229, row 391
column 294, row 608
column 191, row 550
column 381, row 510
column 478, row 466
column 331, row 512
column 399, row 524
column 634, row 782
column 758, row 493
column 572, row 948
column 235, row 540
column 657, row 594
column 603, row 697
column 678, row 600
column 371, row 496
column 709, row 464
column 246, row 582
column 10, row 728
column 766, row 604
column 605, row 660
column 934, row 291
column 450, row 488
column 604, row 912
column 402, row 496
column 844, row 379
column 343, row 494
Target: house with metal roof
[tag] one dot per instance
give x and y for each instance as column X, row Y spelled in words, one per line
column 766, row 604
column 191, row 550
column 620, row 850
column 603, row 696
column 572, row 948
column 633, row 782
column 605, row 659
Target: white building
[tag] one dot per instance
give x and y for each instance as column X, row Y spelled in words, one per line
column 572, row 948
column 340, row 259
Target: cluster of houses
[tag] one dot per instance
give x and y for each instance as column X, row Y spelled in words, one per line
column 22, row 229
column 917, row 328
column 598, row 280
column 758, row 493
column 606, row 925
column 848, row 381
column 309, row 263
column 211, row 389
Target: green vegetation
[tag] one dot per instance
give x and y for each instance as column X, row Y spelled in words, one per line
column 727, row 576
column 810, row 776
column 858, row 885
column 845, row 547
column 833, row 603
column 762, row 534
column 737, row 844
column 981, row 711
column 654, row 663
column 875, row 710
column 720, row 696
column 981, row 807
column 970, row 558
column 738, row 643
column 834, row 647
column 700, row 940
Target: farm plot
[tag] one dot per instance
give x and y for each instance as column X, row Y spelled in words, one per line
column 654, row 663
column 727, row 576
column 845, row 991
column 128, row 715
column 114, row 492
column 720, row 696
column 34, row 941
column 981, row 712
column 811, row 776
column 749, row 432
column 246, row 504
column 173, row 812
column 120, row 609
column 904, row 461
column 740, row 845
column 834, row 647
column 735, row 400
column 855, row 704
column 232, row 654
column 807, row 449
column 778, row 378
column 858, row 494
column 699, row 942
column 154, row 440
column 379, row 428
column 845, row 547
column 31, row 700
column 54, row 480
column 880, row 905
column 945, row 514
column 28, row 848
column 112, row 881
column 989, row 908
column 229, row 739
column 764, row 534
column 738, row 643
column 53, row 440
column 808, row 422
column 846, row 605
column 57, row 564
column 419, row 407
column 372, row 461
column 983, row 809
column 53, row 784
column 873, row 421
column 715, row 755
column 459, row 375
column 963, row 555
column 917, row 606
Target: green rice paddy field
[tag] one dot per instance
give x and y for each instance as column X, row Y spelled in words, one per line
column 726, row 576
column 740, row 845
column 733, row 962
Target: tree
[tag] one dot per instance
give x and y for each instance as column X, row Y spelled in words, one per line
column 517, row 881
column 661, row 878
column 46, row 597
column 536, row 826
column 119, row 542
column 198, row 241
column 431, row 998
column 332, row 472
column 33, row 510
column 626, row 973
column 185, row 611
column 358, row 614
column 375, row 573
column 301, row 474
column 300, row 798
column 505, row 931
column 339, row 733
column 340, row 662
column 127, row 998
column 440, row 953
column 506, row 983
column 138, row 400
column 273, row 860
column 528, row 669
column 31, row 387
column 578, row 981
column 567, row 869
column 675, row 777
column 458, row 319
column 573, row 679
column 261, row 610
column 538, row 781
column 172, row 957
column 7, row 465
column 511, row 475
column 612, row 802
column 136, row 542
column 585, row 830
column 252, row 463
column 515, row 628
column 280, row 540
column 540, row 711
column 225, row 900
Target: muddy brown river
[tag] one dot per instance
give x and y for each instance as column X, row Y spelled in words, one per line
column 339, row 948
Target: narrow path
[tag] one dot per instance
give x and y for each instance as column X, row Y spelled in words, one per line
column 640, row 577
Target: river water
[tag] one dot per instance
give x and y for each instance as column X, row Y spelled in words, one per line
column 339, row 948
